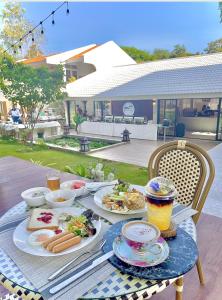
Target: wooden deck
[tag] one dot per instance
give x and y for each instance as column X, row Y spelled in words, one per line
column 18, row 175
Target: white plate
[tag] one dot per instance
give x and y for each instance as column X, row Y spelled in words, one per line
column 108, row 190
column 20, row 236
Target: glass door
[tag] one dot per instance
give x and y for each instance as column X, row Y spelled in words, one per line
column 167, row 109
column 219, row 122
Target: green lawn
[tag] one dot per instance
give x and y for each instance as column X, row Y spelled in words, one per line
column 131, row 173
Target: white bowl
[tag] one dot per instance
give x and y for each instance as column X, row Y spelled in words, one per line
column 67, row 194
column 29, row 198
column 67, row 186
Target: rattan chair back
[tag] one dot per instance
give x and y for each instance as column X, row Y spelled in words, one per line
column 189, row 167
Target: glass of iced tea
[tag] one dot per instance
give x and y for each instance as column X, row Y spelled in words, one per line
column 53, row 181
column 160, row 194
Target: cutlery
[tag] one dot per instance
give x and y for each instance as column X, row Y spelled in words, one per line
column 94, row 187
column 97, row 247
column 79, row 274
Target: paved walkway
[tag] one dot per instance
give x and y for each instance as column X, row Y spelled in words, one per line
column 213, row 205
column 137, row 152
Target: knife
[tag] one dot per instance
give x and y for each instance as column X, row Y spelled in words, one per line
column 71, row 279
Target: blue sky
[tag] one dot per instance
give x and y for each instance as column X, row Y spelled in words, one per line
column 143, row 25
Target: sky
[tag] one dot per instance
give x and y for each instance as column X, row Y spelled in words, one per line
column 146, row 25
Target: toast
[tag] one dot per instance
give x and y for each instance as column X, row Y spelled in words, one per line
column 43, row 219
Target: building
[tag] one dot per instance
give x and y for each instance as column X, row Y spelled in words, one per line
column 83, row 61
column 185, row 91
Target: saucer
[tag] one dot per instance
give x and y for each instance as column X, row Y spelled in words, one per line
column 147, row 259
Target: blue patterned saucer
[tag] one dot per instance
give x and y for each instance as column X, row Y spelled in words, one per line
column 147, row 259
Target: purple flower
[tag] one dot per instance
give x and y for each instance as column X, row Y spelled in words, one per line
column 155, row 186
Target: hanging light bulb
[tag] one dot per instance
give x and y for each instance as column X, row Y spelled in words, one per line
column 42, row 31
column 53, row 21
column 67, row 8
column 33, row 39
column 20, row 46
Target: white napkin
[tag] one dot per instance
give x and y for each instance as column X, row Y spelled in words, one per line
column 94, row 186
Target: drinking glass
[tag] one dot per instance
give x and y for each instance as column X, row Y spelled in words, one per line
column 53, row 181
column 159, row 211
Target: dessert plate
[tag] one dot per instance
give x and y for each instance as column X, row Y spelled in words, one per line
column 21, row 235
column 98, row 199
column 131, row 257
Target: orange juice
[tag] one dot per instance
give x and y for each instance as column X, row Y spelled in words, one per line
column 159, row 211
column 53, row 182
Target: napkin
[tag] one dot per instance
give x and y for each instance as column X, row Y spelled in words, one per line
column 94, row 186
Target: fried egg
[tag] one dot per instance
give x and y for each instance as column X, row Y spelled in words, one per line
column 40, row 236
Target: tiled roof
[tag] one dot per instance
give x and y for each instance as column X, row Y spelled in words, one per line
column 81, row 54
column 180, row 77
column 34, row 60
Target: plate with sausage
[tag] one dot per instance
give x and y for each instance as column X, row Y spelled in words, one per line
column 55, row 232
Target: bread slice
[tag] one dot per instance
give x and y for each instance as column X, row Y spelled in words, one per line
column 42, row 218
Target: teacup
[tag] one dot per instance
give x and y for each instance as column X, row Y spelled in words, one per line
column 142, row 237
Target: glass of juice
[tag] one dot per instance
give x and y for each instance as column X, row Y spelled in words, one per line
column 160, row 194
column 159, row 211
column 53, row 181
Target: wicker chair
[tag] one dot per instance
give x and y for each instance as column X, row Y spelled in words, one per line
column 192, row 171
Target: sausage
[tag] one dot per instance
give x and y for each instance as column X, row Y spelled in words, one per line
column 55, row 237
column 59, row 241
column 66, row 244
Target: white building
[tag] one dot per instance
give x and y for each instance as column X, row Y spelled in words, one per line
column 183, row 90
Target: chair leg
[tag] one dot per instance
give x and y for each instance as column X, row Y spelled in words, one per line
column 179, row 288
column 200, row 271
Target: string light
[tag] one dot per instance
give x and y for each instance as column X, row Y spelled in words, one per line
column 42, row 30
column 53, row 21
column 67, row 8
column 31, row 32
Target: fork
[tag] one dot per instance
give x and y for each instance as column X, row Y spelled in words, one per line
column 97, row 247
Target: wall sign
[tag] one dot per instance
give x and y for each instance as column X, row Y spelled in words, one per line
column 128, row 109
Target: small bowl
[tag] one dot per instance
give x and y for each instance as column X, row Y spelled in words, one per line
column 67, row 185
column 31, row 200
column 67, row 194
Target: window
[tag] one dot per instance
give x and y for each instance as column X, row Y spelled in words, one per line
column 71, row 71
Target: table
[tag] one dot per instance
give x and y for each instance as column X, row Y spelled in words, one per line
column 14, row 280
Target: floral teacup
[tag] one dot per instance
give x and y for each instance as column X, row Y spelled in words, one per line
column 142, row 237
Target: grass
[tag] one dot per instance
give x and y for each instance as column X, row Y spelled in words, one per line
column 74, row 143
column 58, row 160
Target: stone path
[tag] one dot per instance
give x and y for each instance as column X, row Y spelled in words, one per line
column 213, row 205
column 137, row 152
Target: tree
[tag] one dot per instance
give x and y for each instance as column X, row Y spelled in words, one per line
column 214, row 47
column 32, row 88
column 220, row 9
column 137, row 54
column 179, row 51
column 6, row 62
column 33, row 51
column 142, row 55
column 160, row 54
column 15, row 25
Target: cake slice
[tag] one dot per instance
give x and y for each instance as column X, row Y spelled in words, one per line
column 43, row 219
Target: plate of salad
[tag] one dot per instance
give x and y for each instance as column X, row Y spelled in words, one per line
column 123, row 198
